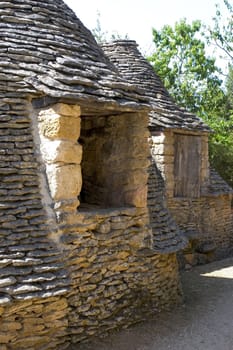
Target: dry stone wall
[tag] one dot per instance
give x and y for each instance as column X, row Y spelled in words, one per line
column 65, row 276
column 208, row 223
column 206, row 220
column 68, row 274
column 32, row 273
column 34, row 324
column 114, row 283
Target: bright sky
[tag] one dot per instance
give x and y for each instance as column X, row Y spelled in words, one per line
column 137, row 18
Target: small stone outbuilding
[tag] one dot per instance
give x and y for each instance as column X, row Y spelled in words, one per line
column 83, row 248
column 198, row 198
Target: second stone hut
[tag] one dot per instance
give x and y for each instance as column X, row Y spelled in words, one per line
column 198, row 198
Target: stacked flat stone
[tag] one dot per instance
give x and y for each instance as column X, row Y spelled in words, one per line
column 165, row 114
column 47, row 56
column 167, row 237
column 217, row 185
column 45, row 49
column 30, row 265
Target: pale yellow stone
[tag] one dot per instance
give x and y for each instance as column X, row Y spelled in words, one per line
column 137, row 177
column 53, row 316
column 65, row 181
column 58, row 305
column 30, row 329
column 10, row 326
column 31, row 321
column 7, row 337
column 61, row 151
column 67, row 110
column 119, row 267
column 54, row 126
column 1, row 310
column 123, row 255
column 137, row 197
column 87, row 288
column 32, row 341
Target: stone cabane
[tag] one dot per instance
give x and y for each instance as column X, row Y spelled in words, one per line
column 73, row 134
column 199, row 200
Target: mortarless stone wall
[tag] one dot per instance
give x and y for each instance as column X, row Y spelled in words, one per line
column 113, row 282
column 68, row 274
column 207, row 220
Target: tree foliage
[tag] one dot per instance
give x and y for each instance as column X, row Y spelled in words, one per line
column 221, row 33
column 188, row 73
column 193, row 79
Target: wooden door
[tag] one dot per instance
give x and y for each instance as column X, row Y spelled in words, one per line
column 187, row 166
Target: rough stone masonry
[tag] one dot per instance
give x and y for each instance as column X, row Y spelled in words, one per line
column 82, row 250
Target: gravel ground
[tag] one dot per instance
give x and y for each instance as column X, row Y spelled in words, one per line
column 203, row 322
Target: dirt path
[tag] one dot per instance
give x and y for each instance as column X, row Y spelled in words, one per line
column 204, row 322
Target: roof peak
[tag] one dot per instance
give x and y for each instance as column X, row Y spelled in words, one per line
column 121, row 42
column 133, row 66
column 47, row 50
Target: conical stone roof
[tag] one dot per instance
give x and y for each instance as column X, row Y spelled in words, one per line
column 165, row 114
column 45, row 53
column 45, row 49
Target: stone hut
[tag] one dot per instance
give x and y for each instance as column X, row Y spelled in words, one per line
column 198, row 198
column 79, row 254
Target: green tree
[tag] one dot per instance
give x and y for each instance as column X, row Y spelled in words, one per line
column 193, row 79
column 220, row 34
column 187, row 72
column 221, row 142
column 229, row 90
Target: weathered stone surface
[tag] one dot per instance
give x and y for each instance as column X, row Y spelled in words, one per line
column 67, row 110
column 4, row 282
column 65, row 181
column 61, row 151
column 55, row 126
column 67, row 277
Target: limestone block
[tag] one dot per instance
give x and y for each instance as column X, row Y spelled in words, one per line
column 61, row 151
column 135, row 178
column 65, row 181
column 55, row 126
column 137, row 197
column 67, row 110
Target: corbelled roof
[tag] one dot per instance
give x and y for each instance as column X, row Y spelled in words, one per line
column 45, row 48
column 217, row 184
column 125, row 55
column 45, row 51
